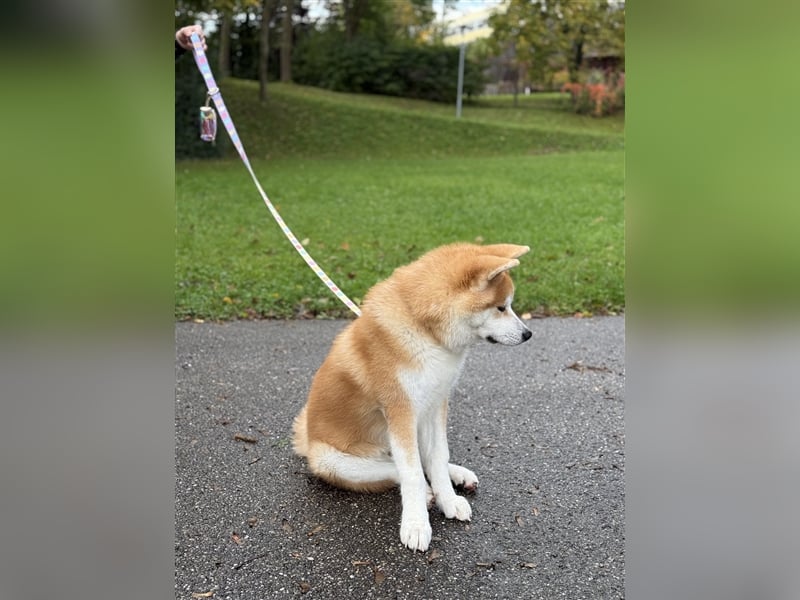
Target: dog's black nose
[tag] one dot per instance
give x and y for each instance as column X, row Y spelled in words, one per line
column 526, row 335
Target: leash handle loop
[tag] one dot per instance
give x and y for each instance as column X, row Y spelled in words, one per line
column 215, row 95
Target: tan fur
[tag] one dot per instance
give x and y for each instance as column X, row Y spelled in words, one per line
column 356, row 398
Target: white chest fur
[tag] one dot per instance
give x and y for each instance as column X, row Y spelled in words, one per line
column 430, row 383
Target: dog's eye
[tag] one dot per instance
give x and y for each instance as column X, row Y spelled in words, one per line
column 501, row 308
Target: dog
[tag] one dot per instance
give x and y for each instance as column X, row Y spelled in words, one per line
column 376, row 412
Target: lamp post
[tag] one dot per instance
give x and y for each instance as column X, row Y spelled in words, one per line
column 461, row 52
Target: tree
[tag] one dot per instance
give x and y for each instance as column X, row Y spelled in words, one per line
column 286, row 41
column 413, row 18
column 525, row 36
column 385, row 20
column 548, row 35
column 224, row 54
column 353, row 12
column 599, row 24
column 267, row 9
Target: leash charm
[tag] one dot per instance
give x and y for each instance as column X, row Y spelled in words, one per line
column 208, row 122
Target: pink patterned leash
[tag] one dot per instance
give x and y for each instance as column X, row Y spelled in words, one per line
column 214, row 93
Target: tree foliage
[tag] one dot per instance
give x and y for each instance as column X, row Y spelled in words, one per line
column 380, row 19
column 544, row 36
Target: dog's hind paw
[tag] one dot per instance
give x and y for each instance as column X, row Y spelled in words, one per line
column 456, row 507
column 463, row 477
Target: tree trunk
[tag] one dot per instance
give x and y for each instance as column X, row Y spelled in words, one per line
column 577, row 60
column 353, row 11
column 263, row 52
column 286, row 41
column 224, row 58
column 515, row 71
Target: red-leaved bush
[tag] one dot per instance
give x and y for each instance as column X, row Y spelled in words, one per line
column 598, row 99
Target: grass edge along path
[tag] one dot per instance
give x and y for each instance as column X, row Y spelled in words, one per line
column 360, row 219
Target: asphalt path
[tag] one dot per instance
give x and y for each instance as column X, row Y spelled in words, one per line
column 541, row 424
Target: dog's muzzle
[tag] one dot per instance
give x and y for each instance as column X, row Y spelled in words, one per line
column 526, row 335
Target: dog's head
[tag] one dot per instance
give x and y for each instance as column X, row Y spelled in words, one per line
column 490, row 292
column 468, row 293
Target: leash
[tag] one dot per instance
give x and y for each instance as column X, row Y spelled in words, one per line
column 208, row 133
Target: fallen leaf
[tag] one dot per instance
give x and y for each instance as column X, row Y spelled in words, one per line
column 580, row 367
column 227, row 300
column 236, row 538
column 305, row 241
column 240, row 437
column 316, row 530
column 252, row 521
column 287, row 528
column 360, row 563
column 434, row 554
column 520, row 521
column 380, row 576
column 202, row 594
column 305, row 587
column 345, row 246
column 528, row 565
column 535, row 511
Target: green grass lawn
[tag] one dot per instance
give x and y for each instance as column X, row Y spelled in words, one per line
column 373, row 182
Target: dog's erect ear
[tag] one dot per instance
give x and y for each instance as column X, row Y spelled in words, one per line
column 505, row 250
column 507, row 264
column 486, row 268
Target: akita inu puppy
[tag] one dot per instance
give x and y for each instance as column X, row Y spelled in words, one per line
column 377, row 410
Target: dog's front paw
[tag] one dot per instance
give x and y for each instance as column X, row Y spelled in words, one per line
column 416, row 534
column 463, row 477
column 456, row 507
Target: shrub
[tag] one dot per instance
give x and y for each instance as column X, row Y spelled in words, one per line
column 367, row 65
column 598, row 99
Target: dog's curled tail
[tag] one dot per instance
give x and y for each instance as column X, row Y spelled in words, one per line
column 300, row 439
